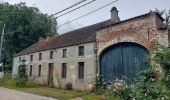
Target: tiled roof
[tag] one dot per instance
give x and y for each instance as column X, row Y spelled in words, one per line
column 79, row 36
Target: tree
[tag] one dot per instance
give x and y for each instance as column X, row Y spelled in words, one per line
column 24, row 26
column 166, row 15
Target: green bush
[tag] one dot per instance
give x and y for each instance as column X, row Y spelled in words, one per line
column 147, row 87
column 162, row 57
column 100, row 85
column 21, row 78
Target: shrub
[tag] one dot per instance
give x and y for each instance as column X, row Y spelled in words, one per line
column 147, row 87
column 162, row 57
column 100, row 85
column 7, row 81
column 68, row 86
column 21, row 78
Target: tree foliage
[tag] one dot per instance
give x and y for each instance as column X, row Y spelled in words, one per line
column 24, row 26
column 163, row 58
column 166, row 15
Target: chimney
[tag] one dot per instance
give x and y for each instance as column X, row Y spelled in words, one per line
column 114, row 15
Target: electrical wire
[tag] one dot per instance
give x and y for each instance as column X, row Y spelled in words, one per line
column 75, row 9
column 68, row 7
column 87, row 13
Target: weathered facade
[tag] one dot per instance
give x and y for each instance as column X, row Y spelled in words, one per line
column 78, row 56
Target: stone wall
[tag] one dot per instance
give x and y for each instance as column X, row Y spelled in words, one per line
column 143, row 30
column 72, row 60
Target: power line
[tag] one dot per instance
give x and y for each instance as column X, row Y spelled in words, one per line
column 75, row 9
column 88, row 13
column 68, row 7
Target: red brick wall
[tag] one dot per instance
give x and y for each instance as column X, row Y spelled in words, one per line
column 142, row 30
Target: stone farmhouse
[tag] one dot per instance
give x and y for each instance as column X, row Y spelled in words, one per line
column 112, row 49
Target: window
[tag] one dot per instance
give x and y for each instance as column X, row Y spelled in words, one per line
column 81, row 51
column 64, row 70
column 30, row 74
column 81, row 70
column 40, row 56
column 39, row 70
column 51, row 54
column 31, row 57
column 19, row 59
column 64, row 53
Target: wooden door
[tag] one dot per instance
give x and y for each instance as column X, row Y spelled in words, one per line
column 122, row 60
column 50, row 74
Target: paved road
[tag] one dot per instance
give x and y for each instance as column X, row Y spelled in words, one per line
column 8, row 94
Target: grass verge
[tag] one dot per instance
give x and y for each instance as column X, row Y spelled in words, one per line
column 61, row 94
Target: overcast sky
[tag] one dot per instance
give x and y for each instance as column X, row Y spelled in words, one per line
column 127, row 9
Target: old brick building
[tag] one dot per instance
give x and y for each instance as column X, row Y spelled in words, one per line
column 112, row 48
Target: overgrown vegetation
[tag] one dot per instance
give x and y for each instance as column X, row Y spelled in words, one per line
column 18, row 81
column 152, row 84
column 37, row 89
column 8, row 81
column 21, row 77
column 24, row 26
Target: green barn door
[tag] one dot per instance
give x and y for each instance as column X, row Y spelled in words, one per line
column 122, row 60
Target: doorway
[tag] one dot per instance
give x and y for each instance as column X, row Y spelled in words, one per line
column 50, row 74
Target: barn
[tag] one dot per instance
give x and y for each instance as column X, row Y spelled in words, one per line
column 113, row 49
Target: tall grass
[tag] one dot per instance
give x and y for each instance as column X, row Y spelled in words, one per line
column 10, row 82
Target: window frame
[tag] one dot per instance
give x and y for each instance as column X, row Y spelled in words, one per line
column 40, row 56
column 30, row 71
column 64, row 71
column 81, row 70
column 39, row 70
column 51, row 54
column 64, row 53
column 20, row 59
column 31, row 57
column 81, row 53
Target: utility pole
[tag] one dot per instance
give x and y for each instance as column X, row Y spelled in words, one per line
column 2, row 40
column 1, row 43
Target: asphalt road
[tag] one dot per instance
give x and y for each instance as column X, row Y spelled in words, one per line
column 8, row 94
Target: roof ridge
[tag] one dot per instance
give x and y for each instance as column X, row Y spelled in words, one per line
column 78, row 36
column 83, row 27
column 142, row 15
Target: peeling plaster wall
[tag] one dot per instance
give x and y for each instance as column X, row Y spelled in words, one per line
column 72, row 60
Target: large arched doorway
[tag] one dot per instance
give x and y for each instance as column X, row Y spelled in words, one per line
column 122, row 60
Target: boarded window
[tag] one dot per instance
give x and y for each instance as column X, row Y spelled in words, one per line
column 64, row 70
column 81, row 70
column 64, row 53
column 31, row 57
column 39, row 70
column 30, row 74
column 81, row 51
column 51, row 54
